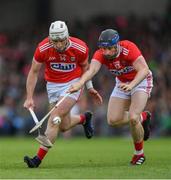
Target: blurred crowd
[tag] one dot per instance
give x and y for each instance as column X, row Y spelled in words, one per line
column 151, row 34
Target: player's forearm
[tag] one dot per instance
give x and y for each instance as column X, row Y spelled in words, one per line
column 31, row 83
column 141, row 75
column 87, row 76
column 93, row 69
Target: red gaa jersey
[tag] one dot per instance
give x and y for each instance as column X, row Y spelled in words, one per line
column 122, row 65
column 65, row 66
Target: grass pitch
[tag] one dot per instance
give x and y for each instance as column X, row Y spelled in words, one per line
column 98, row 158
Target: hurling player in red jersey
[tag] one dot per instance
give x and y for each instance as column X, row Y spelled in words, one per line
column 65, row 59
column 132, row 88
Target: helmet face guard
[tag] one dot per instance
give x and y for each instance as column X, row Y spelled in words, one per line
column 58, row 33
column 109, row 38
column 60, row 45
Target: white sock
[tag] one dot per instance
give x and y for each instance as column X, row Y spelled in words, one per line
column 139, row 152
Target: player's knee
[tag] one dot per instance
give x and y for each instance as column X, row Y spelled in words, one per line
column 134, row 118
column 56, row 119
column 115, row 122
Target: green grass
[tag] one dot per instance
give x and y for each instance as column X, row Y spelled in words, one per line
column 105, row 158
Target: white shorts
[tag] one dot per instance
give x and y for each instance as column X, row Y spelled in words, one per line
column 146, row 85
column 56, row 90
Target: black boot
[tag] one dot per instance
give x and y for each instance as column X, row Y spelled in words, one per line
column 88, row 126
column 32, row 162
column 147, row 126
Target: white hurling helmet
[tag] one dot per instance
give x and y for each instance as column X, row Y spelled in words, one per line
column 58, row 30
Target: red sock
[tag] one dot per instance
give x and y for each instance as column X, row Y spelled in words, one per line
column 139, row 147
column 82, row 119
column 41, row 153
column 143, row 116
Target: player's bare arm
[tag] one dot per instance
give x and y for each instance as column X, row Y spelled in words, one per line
column 142, row 69
column 77, row 85
column 31, row 83
column 93, row 69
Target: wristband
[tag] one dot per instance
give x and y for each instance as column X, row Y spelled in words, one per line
column 89, row 84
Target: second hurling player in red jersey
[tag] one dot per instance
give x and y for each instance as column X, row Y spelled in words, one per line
column 122, row 66
column 132, row 88
column 65, row 59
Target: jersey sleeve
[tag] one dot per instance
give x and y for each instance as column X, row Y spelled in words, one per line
column 38, row 56
column 98, row 56
column 134, row 52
